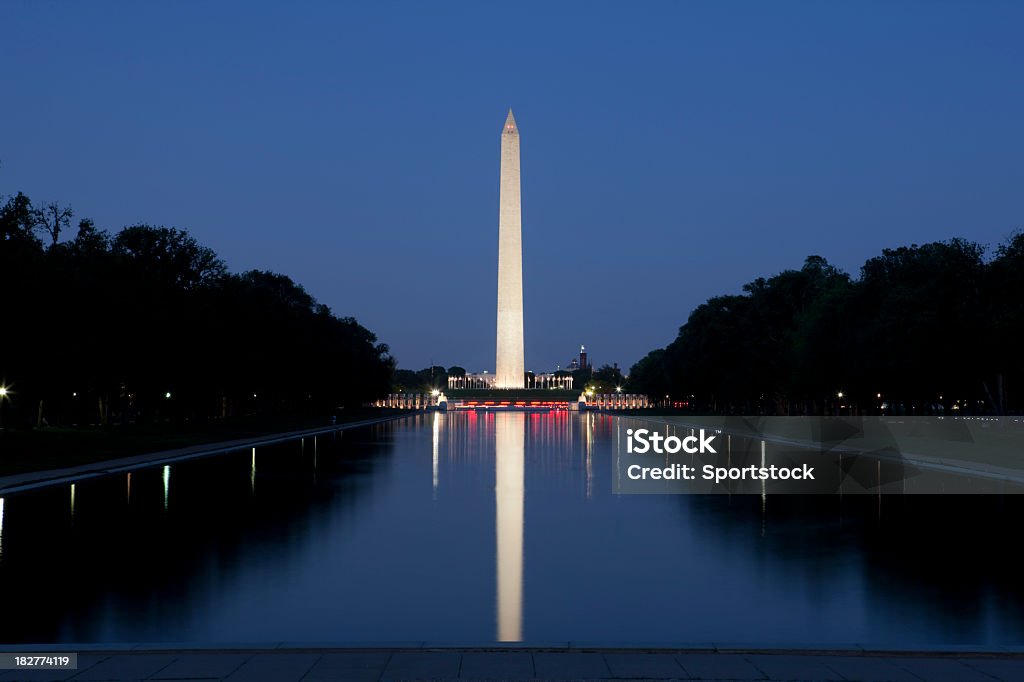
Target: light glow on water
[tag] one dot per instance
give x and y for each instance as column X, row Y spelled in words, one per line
column 167, row 483
column 509, row 491
column 437, row 444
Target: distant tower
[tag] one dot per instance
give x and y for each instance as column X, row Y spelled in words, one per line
column 510, row 364
column 583, row 357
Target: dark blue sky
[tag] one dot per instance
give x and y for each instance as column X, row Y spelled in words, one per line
column 670, row 152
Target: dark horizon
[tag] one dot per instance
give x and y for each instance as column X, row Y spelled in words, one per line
column 673, row 158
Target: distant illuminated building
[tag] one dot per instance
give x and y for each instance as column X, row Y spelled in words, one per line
column 486, row 380
column 579, row 362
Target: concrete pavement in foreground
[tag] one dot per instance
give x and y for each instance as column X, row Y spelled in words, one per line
column 366, row 665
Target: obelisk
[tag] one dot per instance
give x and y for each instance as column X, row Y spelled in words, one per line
column 510, row 367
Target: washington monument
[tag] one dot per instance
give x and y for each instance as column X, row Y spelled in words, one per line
column 510, row 367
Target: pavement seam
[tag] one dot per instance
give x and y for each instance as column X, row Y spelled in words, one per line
column 82, row 670
column 675, row 659
column 237, row 667
column 306, row 674
column 987, row 674
column 835, row 671
column 311, row 666
column 910, row 672
column 607, row 667
column 764, row 675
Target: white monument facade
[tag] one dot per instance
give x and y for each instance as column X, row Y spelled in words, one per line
column 510, row 365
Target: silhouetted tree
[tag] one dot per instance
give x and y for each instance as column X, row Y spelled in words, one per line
column 18, row 221
column 405, row 381
column 606, row 379
column 1001, row 360
column 650, row 375
column 923, row 329
column 433, row 378
column 168, row 255
column 114, row 326
column 52, row 219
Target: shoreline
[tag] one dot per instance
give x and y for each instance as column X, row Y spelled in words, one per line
column 34, row 480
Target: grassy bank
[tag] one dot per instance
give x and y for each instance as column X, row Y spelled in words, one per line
column 57, row 447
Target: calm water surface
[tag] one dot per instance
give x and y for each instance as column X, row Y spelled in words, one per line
column 462, row 528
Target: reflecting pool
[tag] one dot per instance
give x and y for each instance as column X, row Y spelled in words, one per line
column 467, row 527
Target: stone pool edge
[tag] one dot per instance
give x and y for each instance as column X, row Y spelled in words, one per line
column 33, row 480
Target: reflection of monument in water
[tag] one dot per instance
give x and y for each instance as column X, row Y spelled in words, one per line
column 509, row 491
column 508, row 430
column 561, row 444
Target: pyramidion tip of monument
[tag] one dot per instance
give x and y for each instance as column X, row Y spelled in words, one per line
column 510, row 123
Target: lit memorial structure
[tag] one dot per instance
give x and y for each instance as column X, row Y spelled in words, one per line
column 486, row 381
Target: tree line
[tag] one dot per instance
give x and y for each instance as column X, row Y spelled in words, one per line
column 148, row 324
column 930, row 329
